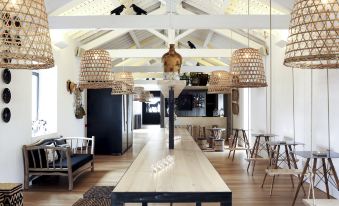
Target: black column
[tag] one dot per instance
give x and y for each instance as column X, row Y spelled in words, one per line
column 162, row 111
column 171, row 118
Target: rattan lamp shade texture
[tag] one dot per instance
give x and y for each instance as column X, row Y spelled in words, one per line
column 138, row 92
column 96, row 70
column 121, row 88
column 25, row 42
column 220, row 82
column 124, row 83
column 313, row 41
column 248, row 68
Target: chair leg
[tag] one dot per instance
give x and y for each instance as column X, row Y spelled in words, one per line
column 272, row 185
column 92, row 166
column 26, row 181
column 263, row 182
column 70, row 180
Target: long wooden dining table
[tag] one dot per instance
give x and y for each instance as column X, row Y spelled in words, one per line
column 184, row 175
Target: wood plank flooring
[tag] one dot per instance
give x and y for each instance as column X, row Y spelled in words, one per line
column 109, row 169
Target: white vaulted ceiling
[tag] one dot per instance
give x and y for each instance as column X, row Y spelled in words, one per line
column 159, row 39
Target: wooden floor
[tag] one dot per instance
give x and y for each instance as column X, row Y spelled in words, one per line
column 108, row 170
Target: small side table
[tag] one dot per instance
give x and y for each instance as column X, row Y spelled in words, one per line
column 327, row 173
column 12, row 193
column 257, row 147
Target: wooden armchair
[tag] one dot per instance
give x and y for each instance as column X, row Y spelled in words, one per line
column 69, row 156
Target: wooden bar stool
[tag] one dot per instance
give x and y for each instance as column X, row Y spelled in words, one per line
column 233, row 145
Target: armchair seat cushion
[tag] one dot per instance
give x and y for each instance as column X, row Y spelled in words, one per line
column 78, row 160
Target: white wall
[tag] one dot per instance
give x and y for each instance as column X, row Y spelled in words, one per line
column 17, row 132
column 282, row 106
column 68, row 69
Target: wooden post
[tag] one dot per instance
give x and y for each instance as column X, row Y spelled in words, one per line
column 171, row 118
column 162, row 111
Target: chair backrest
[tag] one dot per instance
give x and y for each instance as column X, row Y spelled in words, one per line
column 80, row 145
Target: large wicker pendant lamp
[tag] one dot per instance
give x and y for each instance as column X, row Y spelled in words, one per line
column 25, row 42
column 138, row 92
column 96, row 70
column 313, row 35
column 220, row 82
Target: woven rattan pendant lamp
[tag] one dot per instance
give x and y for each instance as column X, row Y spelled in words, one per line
column 313, row 35
column 124, row 83
column 247, row 65
column 220, row 82
column 96, row 70
column 138, row 92
column 25, row 42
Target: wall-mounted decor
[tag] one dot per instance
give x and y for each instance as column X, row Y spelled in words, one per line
column 235, row 108
column 71, row 86
column 25, row 39
column 6, row 76
column 6, row 95
column 235, row 95
column 79, row 109
column 6, row 115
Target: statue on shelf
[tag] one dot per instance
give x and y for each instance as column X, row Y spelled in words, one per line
column 172, row 64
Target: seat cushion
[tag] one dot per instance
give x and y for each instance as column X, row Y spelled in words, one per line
column 78, row 160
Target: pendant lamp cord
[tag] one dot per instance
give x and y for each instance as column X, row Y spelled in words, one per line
column 271, row 53
column 248, row 29
column 328, row 112
column 311, row 110
column 293, row 107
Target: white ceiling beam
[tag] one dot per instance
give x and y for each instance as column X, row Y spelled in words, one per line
column 158, row 34
column 208, row 39
column 135, row 39
column 104, row 38
column 57, row 7
column 160, row 69
column 157, row 53
column 171, row 36
column 184, row 34
column 135, row 22
column 238, row 38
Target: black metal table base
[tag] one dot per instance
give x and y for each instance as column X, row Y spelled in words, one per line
column 119, row 198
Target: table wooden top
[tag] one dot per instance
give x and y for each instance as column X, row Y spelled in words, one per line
column 190, row 172
column 273, row 143
column 309, row 154
column 216, row 129
column 264, row 135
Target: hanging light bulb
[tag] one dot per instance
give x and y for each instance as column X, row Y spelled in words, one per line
column 313, row 35
column 25, row 42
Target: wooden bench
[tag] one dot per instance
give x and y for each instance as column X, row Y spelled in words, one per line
column 69, row 156
column 191, row 178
